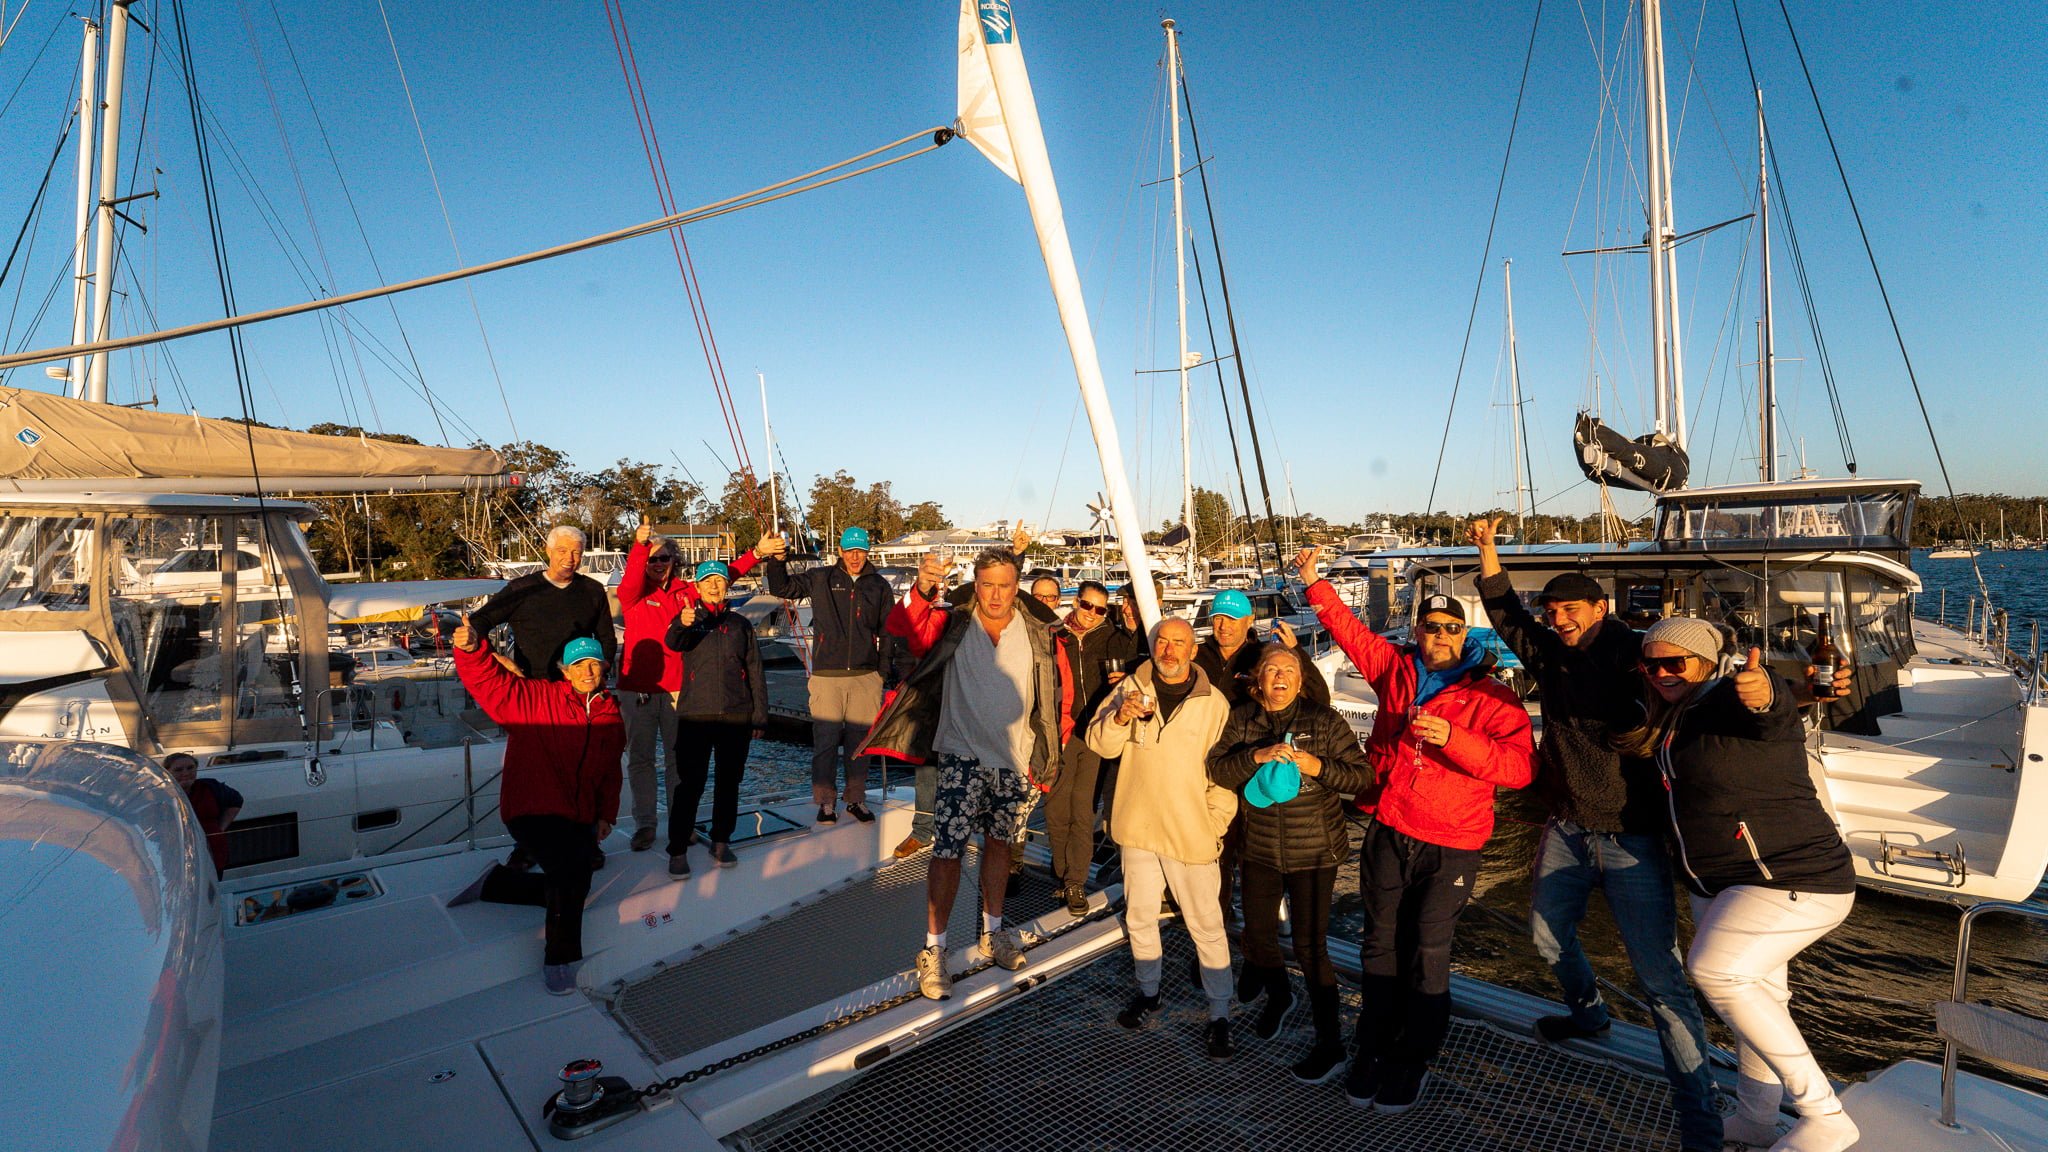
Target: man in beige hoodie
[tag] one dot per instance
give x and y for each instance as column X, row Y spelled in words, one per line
column 1168, row 818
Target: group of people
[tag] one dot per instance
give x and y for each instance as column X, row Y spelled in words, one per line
column 1223, row 777
column 1667, row 755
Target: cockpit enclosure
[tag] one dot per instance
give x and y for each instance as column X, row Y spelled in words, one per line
column 192, row 609
column 1804, row 515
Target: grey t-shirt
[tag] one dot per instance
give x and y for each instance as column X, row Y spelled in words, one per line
column 986, row 710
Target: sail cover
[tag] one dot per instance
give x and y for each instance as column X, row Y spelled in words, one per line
column 980, row 112
column 46, row 437
column 1649, row 463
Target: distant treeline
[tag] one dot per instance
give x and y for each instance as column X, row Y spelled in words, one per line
column 1975, row 516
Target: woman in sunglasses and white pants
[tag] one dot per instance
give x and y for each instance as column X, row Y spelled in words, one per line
column 1768, row 872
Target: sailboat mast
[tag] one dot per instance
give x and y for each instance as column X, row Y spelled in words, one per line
column 110, row 191
column 768, row 437
column 88, row 116
column 1180, row 291
column 1666, row 364
column 1767, row 367
column 1518, row 450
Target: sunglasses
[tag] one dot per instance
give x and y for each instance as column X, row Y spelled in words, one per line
column 1435, row 628
column 661, row 559
column 1665, row 665
column 1091, row 609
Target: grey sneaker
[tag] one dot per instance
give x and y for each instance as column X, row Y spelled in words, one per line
column 1076, row 897
column 1003, row 948
column 560, row 978
column 679, row 865
column 722, row 856
column 931, row 974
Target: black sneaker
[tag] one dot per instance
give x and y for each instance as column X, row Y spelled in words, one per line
column 1362, row 1081
column 860, row 812
column 679, row 867
column 827, row 816
column 1279, row 999
column 1320, row 1066
column 1139, row 1010
column 1558, row 1029
column 1076, row 897
column 1400, row 1089
column 1218, row 1034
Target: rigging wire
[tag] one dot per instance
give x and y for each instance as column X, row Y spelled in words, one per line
column 35, row 60
column 1485, row 257
column 446, row 219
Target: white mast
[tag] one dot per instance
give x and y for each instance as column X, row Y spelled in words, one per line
column 1767, row 367
column 110, row 191
column 1522, row 480
column 1666, row 364
column 1000, row 118
column 1180, row 291
column 88, row 117
column 768, row 435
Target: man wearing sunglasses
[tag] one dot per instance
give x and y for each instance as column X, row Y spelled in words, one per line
column 1447, row 734
column 1606, row 825
column 651, row 595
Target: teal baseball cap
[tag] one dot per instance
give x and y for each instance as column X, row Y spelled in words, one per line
column 1231, row 603
column 714, row 568
column 1276, row 782
column 853, row 538
column 580, row 649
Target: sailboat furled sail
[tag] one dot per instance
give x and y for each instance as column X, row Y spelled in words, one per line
column 55, row 443
column 1650, row 463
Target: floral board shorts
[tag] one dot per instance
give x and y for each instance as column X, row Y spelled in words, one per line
column 977, row 799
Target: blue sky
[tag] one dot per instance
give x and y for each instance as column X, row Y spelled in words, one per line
column 903, row 319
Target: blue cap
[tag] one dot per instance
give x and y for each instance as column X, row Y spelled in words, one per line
column 853, row 538
column 1276, row 782
column 714, row 568
column 1231, row 603
column 580, row 649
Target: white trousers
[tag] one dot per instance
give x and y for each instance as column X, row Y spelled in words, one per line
column 1196, row 888
column 646, row 714
column 1742, row 942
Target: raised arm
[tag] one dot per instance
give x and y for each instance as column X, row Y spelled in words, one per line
column 1374, row 658
column 1524, row 635
column 633, row 582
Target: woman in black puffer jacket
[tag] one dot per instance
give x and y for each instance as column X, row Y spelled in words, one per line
column 1768, row 873
column 1291, row 759
column 723, row 706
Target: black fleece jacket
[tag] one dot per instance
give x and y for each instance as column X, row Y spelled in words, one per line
column 1588, row 694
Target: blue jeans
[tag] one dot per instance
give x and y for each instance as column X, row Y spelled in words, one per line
column 1634, row 873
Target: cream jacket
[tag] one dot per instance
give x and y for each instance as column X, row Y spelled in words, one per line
column 1164, row 802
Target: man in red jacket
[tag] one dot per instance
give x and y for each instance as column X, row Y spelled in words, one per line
column 559, row 791
column 651, row 593
column 1447, row 734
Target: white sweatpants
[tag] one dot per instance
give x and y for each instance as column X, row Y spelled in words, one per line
column 1196, row 888
column 1742, row 942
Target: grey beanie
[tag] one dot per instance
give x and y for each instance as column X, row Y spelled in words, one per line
column 1696, row 636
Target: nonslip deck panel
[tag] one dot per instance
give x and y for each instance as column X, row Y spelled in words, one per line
column 851, row 939
column 1053, row 1070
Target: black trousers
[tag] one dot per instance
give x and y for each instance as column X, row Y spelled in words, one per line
column 563, row 848
column 1308, row 903
column 1413, row 893
column 697, row 742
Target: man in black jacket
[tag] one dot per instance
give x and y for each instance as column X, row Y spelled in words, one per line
column 551, row 607
column 1605, row 828
column 849, row 606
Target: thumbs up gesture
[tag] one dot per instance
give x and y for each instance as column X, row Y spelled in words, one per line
column 465, row 637
column 688, row 616
column 1753, row 684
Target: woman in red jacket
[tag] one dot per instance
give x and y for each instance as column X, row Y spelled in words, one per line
column 559, row 792
column 1447, row 734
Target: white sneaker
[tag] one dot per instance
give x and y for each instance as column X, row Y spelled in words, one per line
column 931, row 974
column 1002, row 948
column 1740, row 1129
column 1827, row 1132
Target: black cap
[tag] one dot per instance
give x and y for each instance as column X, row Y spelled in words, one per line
column 1447, row 605
column 1571, row 586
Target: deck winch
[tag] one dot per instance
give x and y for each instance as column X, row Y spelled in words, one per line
column 589, row 1101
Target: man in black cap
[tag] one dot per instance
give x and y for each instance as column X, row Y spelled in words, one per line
column 1606, row 824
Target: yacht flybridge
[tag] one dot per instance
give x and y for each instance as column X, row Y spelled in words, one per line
column 1932, row 766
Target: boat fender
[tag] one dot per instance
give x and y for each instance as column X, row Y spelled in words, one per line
column 588, row 1101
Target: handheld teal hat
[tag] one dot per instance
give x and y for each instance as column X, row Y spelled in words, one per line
column 580, row 649
column 853, row 538
column 1276, row 782
column 1231, row 603
column 714, row 568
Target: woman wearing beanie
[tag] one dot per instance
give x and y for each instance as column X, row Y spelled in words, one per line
column 1767, row 870
column 1290, row 758
column 723, row 706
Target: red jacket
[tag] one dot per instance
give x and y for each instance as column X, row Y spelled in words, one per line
column 561, row 748
column 1438, row 795
column 646, row 664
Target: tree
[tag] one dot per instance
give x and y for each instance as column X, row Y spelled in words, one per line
column 1215, row 526
column 925, row 516
column 838, row 501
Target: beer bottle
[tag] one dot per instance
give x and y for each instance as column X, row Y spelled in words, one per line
column 1826, row 658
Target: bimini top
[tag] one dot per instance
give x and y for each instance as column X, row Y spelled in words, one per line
column 1803, row 515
